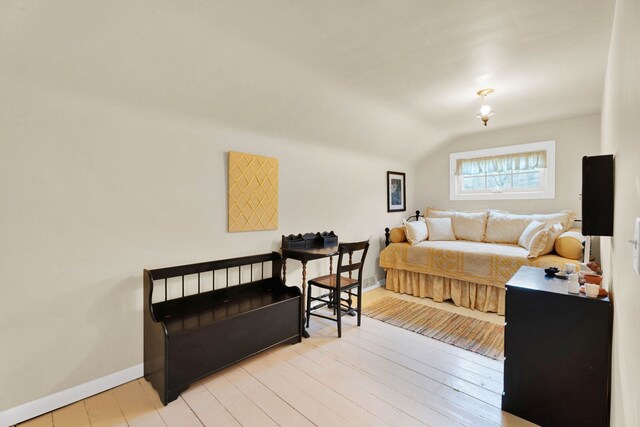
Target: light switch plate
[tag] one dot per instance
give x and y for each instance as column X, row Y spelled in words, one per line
column 636, row 247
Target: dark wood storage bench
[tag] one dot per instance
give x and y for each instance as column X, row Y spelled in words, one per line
column 187, row 337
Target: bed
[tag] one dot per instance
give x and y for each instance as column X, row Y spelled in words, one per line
column 472, row 274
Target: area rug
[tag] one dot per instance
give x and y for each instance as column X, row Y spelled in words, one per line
column 471, row 334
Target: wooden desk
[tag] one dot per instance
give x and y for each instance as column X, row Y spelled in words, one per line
column 305, row 255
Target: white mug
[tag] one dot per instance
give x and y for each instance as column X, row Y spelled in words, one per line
column 570, row 268
column 592, row 290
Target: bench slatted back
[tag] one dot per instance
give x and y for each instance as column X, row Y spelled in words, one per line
column 159, row 276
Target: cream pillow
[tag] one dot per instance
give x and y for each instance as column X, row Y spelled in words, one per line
column 440, row 229
column 538, row 243
column 466, row 225
column 565, row 218
column 527, row 235
column 504, row 227
column 416, row 231
column 554, row 232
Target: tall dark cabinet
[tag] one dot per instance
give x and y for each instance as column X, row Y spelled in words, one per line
column 597, row 195
column 557, row 368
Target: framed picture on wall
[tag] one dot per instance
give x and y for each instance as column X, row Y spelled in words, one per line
column 396, row 192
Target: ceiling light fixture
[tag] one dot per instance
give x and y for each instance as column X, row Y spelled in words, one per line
column 485, row 110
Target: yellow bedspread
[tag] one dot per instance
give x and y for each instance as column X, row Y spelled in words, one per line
column 485, row 263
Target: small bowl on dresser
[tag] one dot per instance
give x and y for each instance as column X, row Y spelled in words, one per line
column 551, row 271
column 593, row 279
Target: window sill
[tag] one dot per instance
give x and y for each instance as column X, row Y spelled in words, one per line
column 505, row 196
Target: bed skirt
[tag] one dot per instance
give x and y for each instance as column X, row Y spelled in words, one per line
column 466, row 294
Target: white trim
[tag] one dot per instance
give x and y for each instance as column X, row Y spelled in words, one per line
column 550, row 193
column 378, row 284
column 74, row 394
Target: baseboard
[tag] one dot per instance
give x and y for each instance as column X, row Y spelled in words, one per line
column 378, row 284
column 62, row 398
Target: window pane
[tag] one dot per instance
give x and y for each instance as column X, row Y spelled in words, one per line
column 513, row 172
column 499, row 181
column 473, row 182
column 526, row 180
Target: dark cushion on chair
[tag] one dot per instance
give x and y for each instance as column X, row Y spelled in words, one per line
column 329, row 281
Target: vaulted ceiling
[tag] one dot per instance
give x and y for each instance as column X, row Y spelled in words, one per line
column 379, row 76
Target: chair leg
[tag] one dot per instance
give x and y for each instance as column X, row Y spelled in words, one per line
column 339, row 313
column 332, row 298
column 359, row 303
column 308, row 304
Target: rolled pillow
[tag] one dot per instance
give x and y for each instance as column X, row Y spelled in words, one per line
column 538, row 243
column 440, row 229
column 466, row 225
column 527, row 235
column 569, row 244
column 416, row 231
column 397, row 235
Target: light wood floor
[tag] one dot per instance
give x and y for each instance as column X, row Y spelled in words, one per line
column 377, row 374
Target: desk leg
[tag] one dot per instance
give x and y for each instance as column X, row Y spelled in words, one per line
column 284, row 271
column 304, row 298
column 331, row 298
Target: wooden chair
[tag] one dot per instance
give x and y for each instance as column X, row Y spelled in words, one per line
column 336, row 284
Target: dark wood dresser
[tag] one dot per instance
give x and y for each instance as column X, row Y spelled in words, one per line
column 557, row 369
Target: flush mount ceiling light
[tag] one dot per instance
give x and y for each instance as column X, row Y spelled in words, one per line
column 485, row 110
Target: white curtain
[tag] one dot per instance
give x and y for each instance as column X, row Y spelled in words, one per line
column 503, row 163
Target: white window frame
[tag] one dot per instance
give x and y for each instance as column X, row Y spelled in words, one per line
column 548, row 193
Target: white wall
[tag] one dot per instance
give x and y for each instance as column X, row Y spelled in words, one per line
column 621, row 136
column 94, row 192
column 574, row 138
column 115, row 120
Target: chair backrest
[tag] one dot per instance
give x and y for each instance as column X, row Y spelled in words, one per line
column 346, row 264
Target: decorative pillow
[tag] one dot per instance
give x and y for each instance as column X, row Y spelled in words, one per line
column 440, row 229
column 569, row 244
column 416, row 231
column 538, row 243
column 466, row 225
column 554, row 232
column 504, row 227
column 527, row 235
column 397, row 235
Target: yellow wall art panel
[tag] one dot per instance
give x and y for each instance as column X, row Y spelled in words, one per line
column 253, row 192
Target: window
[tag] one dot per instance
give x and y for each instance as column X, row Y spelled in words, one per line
column 524, row 171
